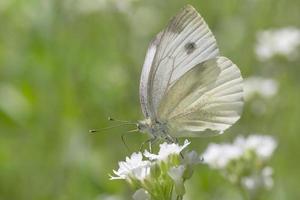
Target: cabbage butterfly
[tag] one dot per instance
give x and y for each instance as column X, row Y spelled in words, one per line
column 186, row 88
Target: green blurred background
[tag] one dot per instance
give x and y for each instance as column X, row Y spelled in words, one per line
column 66, row 65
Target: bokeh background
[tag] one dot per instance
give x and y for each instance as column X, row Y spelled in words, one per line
column 66, row 65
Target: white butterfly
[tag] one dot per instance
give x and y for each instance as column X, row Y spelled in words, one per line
column 186, row 88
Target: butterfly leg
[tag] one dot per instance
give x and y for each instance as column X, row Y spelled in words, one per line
column 151, row 141
column 177, row 142
column 124, row 142
column 170, row 139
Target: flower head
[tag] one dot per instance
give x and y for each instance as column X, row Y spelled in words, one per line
column 283, row 41
column 264, row 87
column 133, row 167
column 141, row 194
column 167, row 169
column 244, row 162
column 177, row 173
column 219, row 155
column 166, row 150
column 257, row 181
column 263, row 145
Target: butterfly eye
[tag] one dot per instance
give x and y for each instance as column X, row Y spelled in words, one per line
column 140, row 126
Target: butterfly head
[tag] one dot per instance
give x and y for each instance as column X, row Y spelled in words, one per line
column 153, row 128
column 144, row 126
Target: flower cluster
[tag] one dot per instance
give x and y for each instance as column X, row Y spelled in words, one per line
column 244, row 162
column 284, row 41
column 86, row 7
column 264, row 87
column 159, row 176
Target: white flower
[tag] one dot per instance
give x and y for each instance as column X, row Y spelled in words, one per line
column 176, row 173
column 249, row 182
column 90, row 6
column 219, row 155
column 263, row 146
column 108, row 197
column 13, row 103
column 141, row 194
column 191, row 158
column 283, row 41
column 133, row 167
column 167, row 170
column 263, row 179
column 267, row 173
column 166, row 150
column 266, row 88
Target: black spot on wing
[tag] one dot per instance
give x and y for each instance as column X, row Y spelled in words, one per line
column 190, row 47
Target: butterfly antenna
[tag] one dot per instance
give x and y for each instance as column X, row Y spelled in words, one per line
column 122, row 121
column 93, row 131
column 110, row 127
column 134, row 130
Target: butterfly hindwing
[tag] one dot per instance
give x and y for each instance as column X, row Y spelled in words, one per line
column 206, row 99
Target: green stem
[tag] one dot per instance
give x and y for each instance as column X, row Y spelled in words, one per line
column 250, row 196
column 244, row 193
column 179, row 197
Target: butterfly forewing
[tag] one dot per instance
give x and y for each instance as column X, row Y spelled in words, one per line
column 207, row 99
column 144, row 82
column 184, row 43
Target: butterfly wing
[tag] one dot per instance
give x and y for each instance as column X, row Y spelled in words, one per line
column 144, row 86
column 184, row 43
column 206, row 100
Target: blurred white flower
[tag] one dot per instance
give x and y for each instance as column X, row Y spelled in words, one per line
column 124, row 5
column 90, row 6
column 249, row 182
column 217, row 156
column 133, row 167
column 13, row 103
column 284, row 41
column 262, row 180
column 266, row 88
column 5, row 4
column 244, row 162
column 166, row 150
column 191, row 158
column 141, row 194
column 108, row 197
column 267, row 173
column 176, row 173
column 263, row 145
